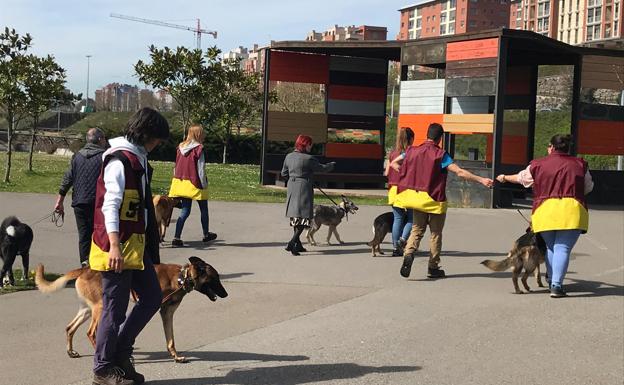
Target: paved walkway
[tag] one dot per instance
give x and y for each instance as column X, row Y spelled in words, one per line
column 335, row 315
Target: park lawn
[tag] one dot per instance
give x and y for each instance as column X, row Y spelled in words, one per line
column 21, row 285
column 227, row 182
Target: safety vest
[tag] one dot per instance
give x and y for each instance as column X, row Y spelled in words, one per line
column 131, row 217
column 186, row 182
column 422, row 181
column 558, row 193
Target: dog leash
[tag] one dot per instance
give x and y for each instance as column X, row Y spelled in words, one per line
column 327, row 196
column 522, row 215
column 57, row 218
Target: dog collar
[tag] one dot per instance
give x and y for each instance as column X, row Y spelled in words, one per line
column 185, row 281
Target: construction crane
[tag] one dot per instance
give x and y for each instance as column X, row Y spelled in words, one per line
column 197, row 30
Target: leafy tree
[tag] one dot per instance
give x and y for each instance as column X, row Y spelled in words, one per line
column 44, row 84
column 13, row 71
column 189, row 76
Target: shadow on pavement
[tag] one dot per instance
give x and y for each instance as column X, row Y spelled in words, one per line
column 592, row 289
column 290, row 375
column 257, row 244
column 452, row 253
column 234, row 275
column 150, row 357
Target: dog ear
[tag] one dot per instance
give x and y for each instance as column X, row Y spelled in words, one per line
column 196, row 261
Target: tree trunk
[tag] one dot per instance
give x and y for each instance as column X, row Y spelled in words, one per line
column 7, row 173
column 225, row 144
column 32, row 143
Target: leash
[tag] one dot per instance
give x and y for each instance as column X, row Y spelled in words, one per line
column 335, row 204
column 184, row 282
column 57, row 218
column 523, row 217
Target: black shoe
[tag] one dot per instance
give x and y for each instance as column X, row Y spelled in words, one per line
column 407, row 265
column 557, row 291
column 299, row 248
column 209, row 237
column 177, row 242
column 292, row 247
column 435, row 273
column 111, row 376
column 397, row 252
column 129, row 372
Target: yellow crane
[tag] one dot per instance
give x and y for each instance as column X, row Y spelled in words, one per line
column 197, row 30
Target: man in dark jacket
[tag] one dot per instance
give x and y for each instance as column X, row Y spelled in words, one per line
column 82, row 174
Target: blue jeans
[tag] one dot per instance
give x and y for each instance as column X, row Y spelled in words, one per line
column 559, row 244
column 399, row 227
column 116, row 333
column 186, row 211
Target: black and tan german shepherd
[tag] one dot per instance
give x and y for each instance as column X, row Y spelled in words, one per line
column 527, row 253
column 175, row 282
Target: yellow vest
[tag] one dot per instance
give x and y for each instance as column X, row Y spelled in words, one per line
column 560, row 214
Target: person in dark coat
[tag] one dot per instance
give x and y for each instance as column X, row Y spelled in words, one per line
column 299, row 167
column 82, row 175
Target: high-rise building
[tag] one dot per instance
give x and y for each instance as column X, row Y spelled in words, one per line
column 338, row 33
column 431, row 18
column 570, row 21
column 117, row 97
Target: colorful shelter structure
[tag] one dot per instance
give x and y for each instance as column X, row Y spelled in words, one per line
column 478, row 77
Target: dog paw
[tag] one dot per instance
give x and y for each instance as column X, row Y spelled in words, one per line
column 73, row 354
column 181, row 360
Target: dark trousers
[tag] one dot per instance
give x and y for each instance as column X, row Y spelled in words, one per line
column 116, row 332
column 84, row 222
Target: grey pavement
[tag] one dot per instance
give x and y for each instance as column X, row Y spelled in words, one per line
column 335, row 315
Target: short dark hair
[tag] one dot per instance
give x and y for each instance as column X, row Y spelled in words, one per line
column 435, row 131
column 146, row 124
column 561, row 143
column 94, row 135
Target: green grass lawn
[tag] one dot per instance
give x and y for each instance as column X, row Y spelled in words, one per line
column 21, row 285
column 229, row 182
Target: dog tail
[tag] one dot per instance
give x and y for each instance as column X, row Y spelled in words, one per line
column 499, row 265
column 46, row 286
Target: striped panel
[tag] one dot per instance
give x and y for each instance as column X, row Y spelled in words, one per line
column 471, row 86
column 419, row 124
column 472, row 49
column 518, row 81
column 602, row 72
column 364, row 94
column 358, row 79
column 353, row 150
column 299, row 68
column 600, row 137
column 356, row 64
column 470, row 105
column 514, row 149
column 601, row 112
column 349, row 107
column 422, row 97
column 475, row 123
column 285, row 126
column 471, row 68
column 356, row 122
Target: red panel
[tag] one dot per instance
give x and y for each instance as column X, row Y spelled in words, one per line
column 353, row 150
column 600, row 137
column 518, row 81
column 299, row 67
column 472, row 49
column 419, row 124
column 363, row 94
column 514, row 149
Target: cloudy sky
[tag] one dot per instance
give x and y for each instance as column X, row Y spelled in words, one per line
column 70, row 29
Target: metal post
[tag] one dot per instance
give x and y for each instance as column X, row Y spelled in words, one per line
column 499, row 115
column 620, row 158
column 576, row 103
column 265, row 113
column 88, row 69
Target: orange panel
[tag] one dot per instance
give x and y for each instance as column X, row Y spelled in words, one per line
column 353, row 150
column 472, row 49
column 600, row 137
column 518, row 81
column 514, row 149
column 299, row 68
column 419, row 124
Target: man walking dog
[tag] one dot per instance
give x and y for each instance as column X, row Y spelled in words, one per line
column 422, row 187
column 82, row 174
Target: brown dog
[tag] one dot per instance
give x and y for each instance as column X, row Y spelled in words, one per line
column 527, row 254
column 175, row 282
column 163, row 206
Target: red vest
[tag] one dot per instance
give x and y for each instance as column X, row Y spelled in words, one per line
column 393, row 175
column 186, row 166
column 132, row 210
column 558, row 175
column 422, row 171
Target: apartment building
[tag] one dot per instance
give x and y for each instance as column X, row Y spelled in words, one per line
column 339, row 33
column 570, row 21
column 431, row 18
